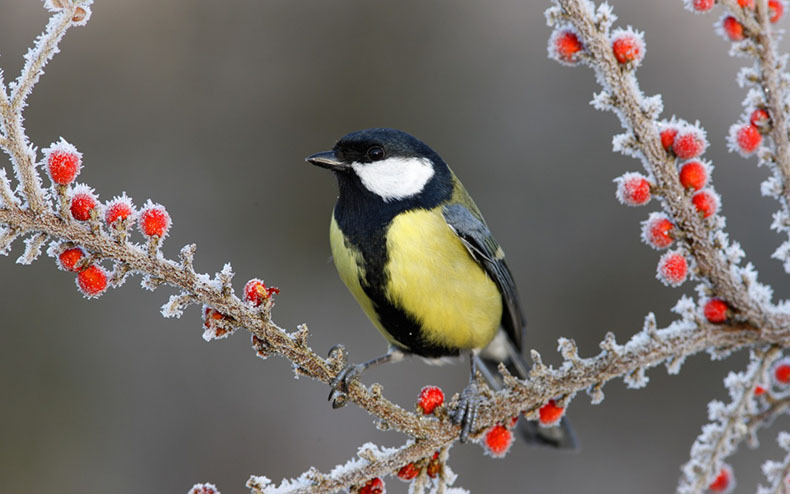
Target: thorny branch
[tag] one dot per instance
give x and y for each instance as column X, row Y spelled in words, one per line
column 44, row 215
column 735, row 422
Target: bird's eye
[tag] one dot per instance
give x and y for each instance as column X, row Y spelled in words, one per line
column 375, row 153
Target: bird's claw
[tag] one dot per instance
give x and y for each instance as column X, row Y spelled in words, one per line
column 465, row 413
column 338, row 395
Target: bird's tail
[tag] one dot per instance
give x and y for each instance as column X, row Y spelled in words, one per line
column 502, row 350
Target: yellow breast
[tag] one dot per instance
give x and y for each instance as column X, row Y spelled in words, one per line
column 433, row 277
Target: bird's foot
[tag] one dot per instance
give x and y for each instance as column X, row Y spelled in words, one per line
column 339, row 394
column 465, row 413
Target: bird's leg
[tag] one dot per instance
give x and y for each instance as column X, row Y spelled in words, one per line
column 352, row 371
column 465, row 413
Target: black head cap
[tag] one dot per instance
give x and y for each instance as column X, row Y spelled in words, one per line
column 366, row 146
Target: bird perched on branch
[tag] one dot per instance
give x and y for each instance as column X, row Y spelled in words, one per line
column 414, row 250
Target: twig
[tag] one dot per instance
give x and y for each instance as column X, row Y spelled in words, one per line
column 778, row 472
column 719, row 439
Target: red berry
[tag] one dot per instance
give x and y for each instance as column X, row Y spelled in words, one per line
column 761, row 119
column 434, row 466
column 204, row 489
column 668, row 138
column 430, row 398
column 213, row 330
column 566, row 46
column 154, row 220
column 633, row 189
column 373, row 486
column 550, row 414
column 715, row 310
column 759, row 390
column 627, row 47
column 706, row 202
column 672, row 268
column 732, row 28
column 775, row 9
column 256, row 292
column 498, row 440
column 69, row 258
column 656, row 231
column 693, row 175
column 408, row 472
column 82, row 203
column 781, row 372
column 747, row 138
column 92, row 281
column 63, row 162
column 746, row 4
column 689, row 143
column 118, row 209
column 724, row 481
column 703, row 5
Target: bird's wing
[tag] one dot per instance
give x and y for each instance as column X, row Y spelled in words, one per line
column 482, row 246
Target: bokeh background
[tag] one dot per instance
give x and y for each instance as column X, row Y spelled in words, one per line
column 210, row 108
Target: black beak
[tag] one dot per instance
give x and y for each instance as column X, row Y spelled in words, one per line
column 327, row 159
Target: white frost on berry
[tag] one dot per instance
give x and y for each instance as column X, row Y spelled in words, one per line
column 637, row 38
column 627, row 185
column 204, row 488
column 554, row 53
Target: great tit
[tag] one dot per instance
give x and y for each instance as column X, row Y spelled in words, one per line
column 414, row 250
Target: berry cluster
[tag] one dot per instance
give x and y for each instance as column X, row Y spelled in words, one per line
column 79, row 203
column 432, row 466
column 373, row 486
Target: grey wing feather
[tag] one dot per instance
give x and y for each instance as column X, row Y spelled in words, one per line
column 482, row 246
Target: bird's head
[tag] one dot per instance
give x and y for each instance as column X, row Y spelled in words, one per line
column 388, row 163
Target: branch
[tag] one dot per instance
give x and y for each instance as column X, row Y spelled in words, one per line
column 778, row 472
column 637, row 114
column 720, row 439
column 16, row 142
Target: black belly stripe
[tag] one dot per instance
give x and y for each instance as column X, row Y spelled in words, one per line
column 364, row 218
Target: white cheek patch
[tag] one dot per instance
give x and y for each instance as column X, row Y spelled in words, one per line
column 395, row 178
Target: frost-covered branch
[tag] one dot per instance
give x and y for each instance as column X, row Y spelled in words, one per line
column 670, row 152
column 778, row 472
column 733, row 310
column 730, row 424
column 67, row 14
column 648, row 348
column 695, row 224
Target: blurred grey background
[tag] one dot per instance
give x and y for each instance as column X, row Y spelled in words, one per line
column 210, row 108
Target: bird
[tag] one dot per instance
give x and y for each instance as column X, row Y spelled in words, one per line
column 414, row 250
